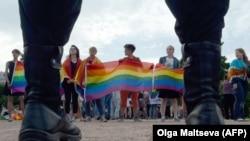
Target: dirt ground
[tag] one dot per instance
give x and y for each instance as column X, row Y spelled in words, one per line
column 105, row 131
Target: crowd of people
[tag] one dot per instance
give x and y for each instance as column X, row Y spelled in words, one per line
column 199, row 30
column 123, row 104
column 132, row 104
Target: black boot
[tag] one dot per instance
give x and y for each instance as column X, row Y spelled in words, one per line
column 43, row 119
column 201, row 79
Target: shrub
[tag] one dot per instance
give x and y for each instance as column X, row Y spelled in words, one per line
column 3, row 98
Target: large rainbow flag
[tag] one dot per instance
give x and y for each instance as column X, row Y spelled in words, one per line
column 105, row 78
column 165, row 78
column 18, row 82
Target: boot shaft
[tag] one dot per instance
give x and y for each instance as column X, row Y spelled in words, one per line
column 202, row 72
column 42, row 64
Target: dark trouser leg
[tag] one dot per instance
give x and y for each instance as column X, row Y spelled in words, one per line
column 47, row 22
column 240, row 97
column 200, row 29
column 67, row 100
column 168, row 112
column 238, row 101
column 38, row 73
column 75, row 101
column 43, row 118
column 99, row 107
column 231, row 105
column 245, row 87
column 227, row 103
column 46, row 27
column 201, row 78
column 196, row 22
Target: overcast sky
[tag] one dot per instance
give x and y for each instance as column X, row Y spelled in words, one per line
column 109, row 24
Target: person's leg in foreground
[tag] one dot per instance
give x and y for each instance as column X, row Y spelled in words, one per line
column 199, row 27
column 46, row 27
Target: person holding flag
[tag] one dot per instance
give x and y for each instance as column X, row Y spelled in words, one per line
column 80, row 79
column 129, row 50
column 70, row 67
column 9, row 73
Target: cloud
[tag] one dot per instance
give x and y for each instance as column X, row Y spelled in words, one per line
column 109, row 24
column 8, row 42
column 237, row 18
column 149, row 26
column 237, row 30
column 10, row 21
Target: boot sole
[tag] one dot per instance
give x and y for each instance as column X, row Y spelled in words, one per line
column 39, row 135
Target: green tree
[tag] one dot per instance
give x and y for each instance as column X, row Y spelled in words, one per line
column 3, row 98
column 224, row 67
column 22, row 56
column 223, row 71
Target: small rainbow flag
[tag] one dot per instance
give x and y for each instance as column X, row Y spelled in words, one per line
column 165, row 78
column 153, row 94
column 18, row 82
column 105, row 78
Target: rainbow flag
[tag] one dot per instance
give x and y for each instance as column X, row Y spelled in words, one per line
column 153, row 94
column 77, row 87
column 18, row 82
column 165, row 78
column 79, row 90
column 105, row 78
column 61, row 90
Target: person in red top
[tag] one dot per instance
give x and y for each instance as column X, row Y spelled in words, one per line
column 70, row 67
column 129, row 50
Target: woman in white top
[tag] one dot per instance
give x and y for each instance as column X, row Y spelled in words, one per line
column 171, row 62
